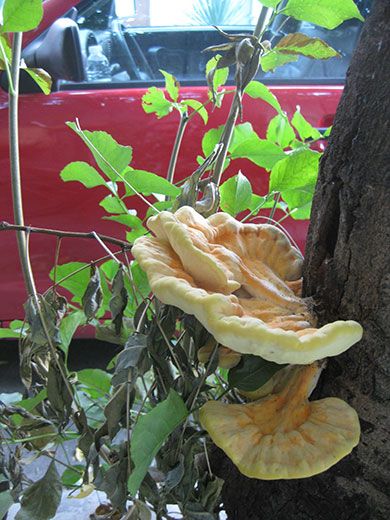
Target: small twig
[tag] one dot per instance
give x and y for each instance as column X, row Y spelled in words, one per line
column 276, row 202
column 176, row 146
column 5, row 226
column 107, row 249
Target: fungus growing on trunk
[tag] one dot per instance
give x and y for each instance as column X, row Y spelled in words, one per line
column 283, row 435
column 242, row 282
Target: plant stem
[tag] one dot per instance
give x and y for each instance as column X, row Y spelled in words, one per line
column 15, row 163
column 176, row 146
column 5, row 226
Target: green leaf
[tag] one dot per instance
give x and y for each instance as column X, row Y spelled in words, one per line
column 76, row 283
column 257, row 202
column 295, row 171
column 40, row 501
column 299, row 201
column 130, row 221
column 8, row 333
column 257, row 90
column 210, row 139
column 236, row 194
column 270, row 3
column 112, row 204
column 252, row 372
column 280, row 131
column 82, row 172
column 303, row 127
column 150, row 433
column 274, row 59
column 260, row 151
column 6, row 502
column 110, row 156
column 21, row 15
column 171, row 85
column 220, row 75
column 68, row 327
column 95, row 378
column 140, row 279
column 241, row 134
column 71, row 476
column 298, row 43
column 147, row 183
column 198, row 108
column 329, row 13
column 5, row 47
column 155, row 102
column 41, row 78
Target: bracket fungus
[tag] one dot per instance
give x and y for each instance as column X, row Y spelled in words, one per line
column 284, row 435
column 242, row 282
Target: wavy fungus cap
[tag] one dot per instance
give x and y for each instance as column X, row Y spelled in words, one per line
column 242, row 282
column 283, row 435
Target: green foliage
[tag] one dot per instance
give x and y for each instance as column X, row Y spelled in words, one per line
column 82, row 172
column 258, row 90
column 327, row 14
column 21, row 15
column 251, row 373
column 270, row 3
column 303, row 45
column 147, row 183
column 150, row 432
column 236, row 194
column 303, row 127
column 171, row 85
column 280, row 131
column 155, row 102
column 41, row 500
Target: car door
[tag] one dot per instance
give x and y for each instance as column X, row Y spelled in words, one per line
column 137, row 39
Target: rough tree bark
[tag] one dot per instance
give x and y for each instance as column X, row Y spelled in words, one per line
column 347, row 272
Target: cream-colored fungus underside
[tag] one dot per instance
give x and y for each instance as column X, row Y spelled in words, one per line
column 283, row 435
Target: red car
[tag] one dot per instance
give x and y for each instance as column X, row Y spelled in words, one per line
column 137, row 38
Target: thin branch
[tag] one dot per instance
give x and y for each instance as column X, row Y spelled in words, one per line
column 176, row 147
column 5, row 226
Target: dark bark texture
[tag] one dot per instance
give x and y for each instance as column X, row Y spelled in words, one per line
column 347, row 272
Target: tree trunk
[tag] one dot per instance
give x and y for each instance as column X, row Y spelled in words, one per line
column 347, row 271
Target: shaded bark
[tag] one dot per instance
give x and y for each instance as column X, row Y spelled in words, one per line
column 347, row 271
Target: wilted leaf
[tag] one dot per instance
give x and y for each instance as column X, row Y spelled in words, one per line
column 118, row 299
column 21, row 15
column 92, row 297
column 82, row 172
column 150, row 433
column 130, row 355
column 58, row 392
column 155, row 102
column 40, row 330
column 327, row 14
column 298, row 43
column 171, row 85
column 252, row 372
column 235, row 194
column 113, row 483
column 40, row 501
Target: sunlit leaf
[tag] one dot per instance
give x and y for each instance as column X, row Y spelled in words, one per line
column 295, row 170
column 270, row 3
column 41, row 78
column 77, row 282
column 298, row 43
column 273, row 59
column 329, row 14
column 40, row 501
column 260, row 151
column 235, row 194
column 155, row 102
column 257, row 90
column 147, row 183
column 21, row 15
column 112, row 204
column 171, row 85
column 198, row 108
column 210, row 139
column 280, row 131
column 82, row 172
column 303, row 127
column 110, row 156
column 150, row 433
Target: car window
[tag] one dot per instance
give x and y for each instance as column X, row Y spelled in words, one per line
column 129, row 41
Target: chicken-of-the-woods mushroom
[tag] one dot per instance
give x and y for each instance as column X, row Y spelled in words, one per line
column 242, row 282
column 284, row 435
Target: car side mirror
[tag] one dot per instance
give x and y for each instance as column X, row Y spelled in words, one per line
column 58, row 52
